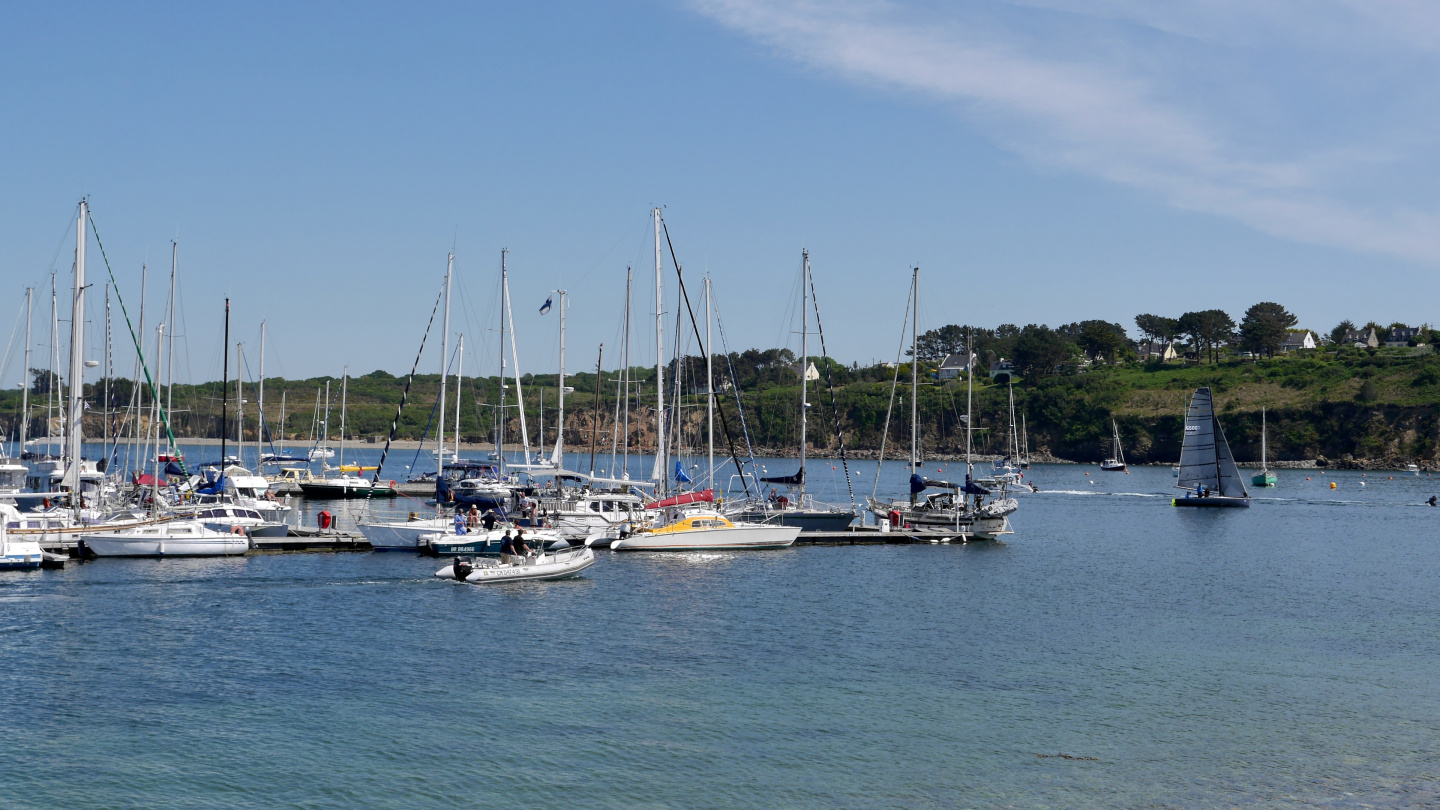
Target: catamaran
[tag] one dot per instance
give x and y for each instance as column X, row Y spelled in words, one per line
column 1207, row 468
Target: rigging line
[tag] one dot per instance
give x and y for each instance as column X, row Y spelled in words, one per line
column 395, row 423
column 431, row 421
column 735, row 395
column 140, row 352
column 724, row 422
column 829, row 380
column 894, row 383
column 14, row 333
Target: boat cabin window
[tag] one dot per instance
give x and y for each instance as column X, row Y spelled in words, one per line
column 594, row 506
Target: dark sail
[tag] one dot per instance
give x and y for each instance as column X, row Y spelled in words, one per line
column 787, row 480
column 1205, row 458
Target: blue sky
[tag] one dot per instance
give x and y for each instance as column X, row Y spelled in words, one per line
column 1042, row 161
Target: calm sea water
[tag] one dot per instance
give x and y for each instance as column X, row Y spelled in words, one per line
column 1282, row 656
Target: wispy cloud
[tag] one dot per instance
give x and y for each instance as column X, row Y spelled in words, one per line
column 1293, row 118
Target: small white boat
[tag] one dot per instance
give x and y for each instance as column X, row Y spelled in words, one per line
column 18, row 553
column 1413, row 469
column 547, row 566
column 177, row 538
column 402, row 535
column 707, row 531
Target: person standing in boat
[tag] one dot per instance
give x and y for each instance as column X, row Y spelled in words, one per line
column 507, row 548
column 521, row 549
column 460, row 523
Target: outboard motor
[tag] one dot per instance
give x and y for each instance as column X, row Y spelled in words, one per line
column 462, row 568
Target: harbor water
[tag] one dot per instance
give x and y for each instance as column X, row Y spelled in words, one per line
column 1285, row 655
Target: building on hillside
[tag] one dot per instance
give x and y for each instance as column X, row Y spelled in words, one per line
column 953, row 366
column 1157, row 350
column 1295, row 341
column 1005, row 367
column 1361, row 338
column 1402, row 335
column 811, row 373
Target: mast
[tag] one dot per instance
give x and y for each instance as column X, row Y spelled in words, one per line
column 105, row 407
column 74, row 434
column 969, row 395
column 283, row 392
column 54, row 360
column 260, row 396
column 662, row 478
column 559, row 455
column 804, row 365
column 914, row 375
column 625, row 376
column 1263, row 467
column 224, row 394
column 170, row 319
column 239, row 404
column 25, row 377
column 595, row 428
column 459, row 368
column 155, row 474
column 509, row 313
column 500, row 418
column 344, row 389
column 710, row 393
column 444, row 359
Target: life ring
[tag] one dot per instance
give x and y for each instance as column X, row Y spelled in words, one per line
column 237, row 530
column 392, row 483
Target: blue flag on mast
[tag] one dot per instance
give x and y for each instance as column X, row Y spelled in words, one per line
column 544, row 308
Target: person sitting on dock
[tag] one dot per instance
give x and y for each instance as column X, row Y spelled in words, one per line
column 489, row 520
column 521, row 549
column 507, row 548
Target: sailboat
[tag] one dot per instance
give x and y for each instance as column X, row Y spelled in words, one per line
column 347, row 484
column 1264, row 478
column 796, row 507
column 17, row 552
column 1116, row 461
column 686, row 521
column 962, row 511
column 1207, row 468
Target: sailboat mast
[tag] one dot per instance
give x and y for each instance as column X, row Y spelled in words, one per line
column 260, row 397
column 710, row 387
column 595, row 427
column 661, row 476
column 509, row 314
column 1262, row 440
column 804, row 364
column 459, row 370
column 969, row 396
column 914, row 374
column 444, row 359
column 344, row 390
column 77, row 361
column 239, row 402
column 500, row 412
column 105, row 403
column 25, row 376
column 629, row 279
column 224, row 393
column 170, row 319
column 559, row 454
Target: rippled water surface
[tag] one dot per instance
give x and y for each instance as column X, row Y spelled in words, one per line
column 1284, row 655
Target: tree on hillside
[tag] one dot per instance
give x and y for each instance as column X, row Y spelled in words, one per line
column 1207, row 329
column 1337, row 335
column 1102, row 338
column 1158, row 327
column 1040, row 350
column 936, row 344
column 1264, row 327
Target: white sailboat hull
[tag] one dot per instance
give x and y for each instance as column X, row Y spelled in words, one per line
column 715, row 539
column 175, row 539
column 403, row 536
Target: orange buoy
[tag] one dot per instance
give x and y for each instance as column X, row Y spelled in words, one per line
column 1332, row 484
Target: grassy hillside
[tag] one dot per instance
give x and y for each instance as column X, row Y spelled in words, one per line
column 1378, row 404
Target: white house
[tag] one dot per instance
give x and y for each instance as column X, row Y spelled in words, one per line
column 953, row 366
column 1294, row 341
column 1401, row 336
column 1158, row 350
column 1003, row 366
column 811, row 373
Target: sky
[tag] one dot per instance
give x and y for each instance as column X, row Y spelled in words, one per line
column 1041, row 161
